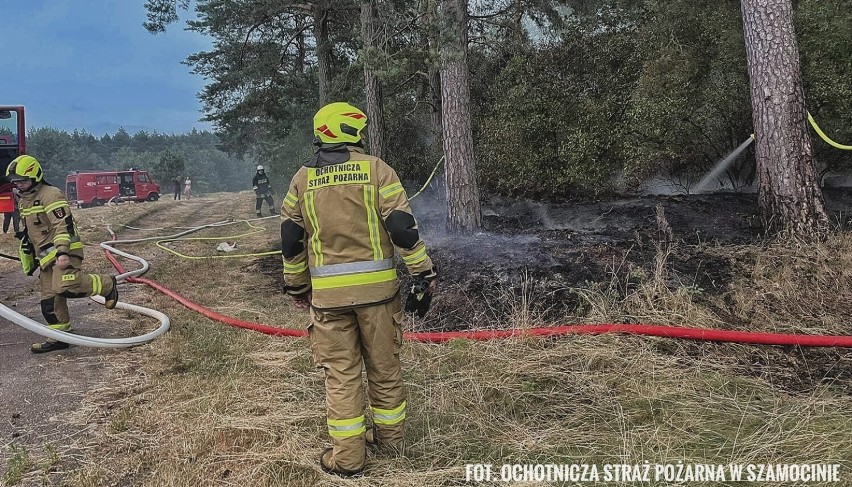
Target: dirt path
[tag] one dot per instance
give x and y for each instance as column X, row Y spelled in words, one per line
column 37, row 391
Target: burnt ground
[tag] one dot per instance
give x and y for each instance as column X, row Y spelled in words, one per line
column 549, row 250
column 541, row 256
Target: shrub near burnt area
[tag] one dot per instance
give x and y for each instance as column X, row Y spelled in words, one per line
column 551, row 132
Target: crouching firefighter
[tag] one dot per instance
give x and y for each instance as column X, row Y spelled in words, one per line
column 51, row 244
column 343, row 215
column 262, row 191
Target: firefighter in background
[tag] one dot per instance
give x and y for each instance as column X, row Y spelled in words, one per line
column 176, row 183
column 262, row 192
column 50, row 242
column 343, row 215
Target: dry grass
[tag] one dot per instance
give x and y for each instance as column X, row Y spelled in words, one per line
column 212, row 405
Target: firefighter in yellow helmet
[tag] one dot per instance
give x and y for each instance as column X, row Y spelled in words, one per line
column 344, row 214
column 50, row 243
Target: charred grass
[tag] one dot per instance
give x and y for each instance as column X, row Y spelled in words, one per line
column 212, row 405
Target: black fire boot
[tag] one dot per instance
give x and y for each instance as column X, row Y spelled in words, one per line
column 49, row 345
column 325, row 460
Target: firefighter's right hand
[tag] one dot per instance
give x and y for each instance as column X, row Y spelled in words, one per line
column 302, row 301
column 419, row 298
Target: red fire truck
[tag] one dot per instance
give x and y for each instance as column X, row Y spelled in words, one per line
column 12, row 144
column 96, row 188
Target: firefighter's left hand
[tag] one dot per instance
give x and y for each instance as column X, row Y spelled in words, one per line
column 62, row 262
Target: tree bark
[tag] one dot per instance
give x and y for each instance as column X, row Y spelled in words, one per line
column 789, row 195
column 463, row 210
column 323, row 46
column 372, row 84
column 433, row 73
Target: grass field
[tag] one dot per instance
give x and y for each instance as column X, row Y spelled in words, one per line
column 209, row 405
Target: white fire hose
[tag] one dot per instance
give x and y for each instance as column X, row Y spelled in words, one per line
column 85, row 341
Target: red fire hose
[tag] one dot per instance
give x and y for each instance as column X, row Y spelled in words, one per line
column 441, row 337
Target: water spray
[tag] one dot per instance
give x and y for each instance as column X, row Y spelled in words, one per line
column 722, row 165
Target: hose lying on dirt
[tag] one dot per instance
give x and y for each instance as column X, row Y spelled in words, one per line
column 86, row 341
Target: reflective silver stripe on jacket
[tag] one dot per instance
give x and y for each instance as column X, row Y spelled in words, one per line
column 352, row 268
column 44, row 252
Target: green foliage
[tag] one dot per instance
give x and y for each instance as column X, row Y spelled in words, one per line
column 195, row 154
column 691, row 103
column 19, row 463
column 569, row 98
column 559, row 131
column 824, row 29
column 170, row 166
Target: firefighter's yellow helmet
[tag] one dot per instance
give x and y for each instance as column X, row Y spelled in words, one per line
column 339, row 122
column 24, row 167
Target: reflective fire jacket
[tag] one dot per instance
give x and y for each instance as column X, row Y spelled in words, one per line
column 344, row 213
column 48, row 223
column 260, row 185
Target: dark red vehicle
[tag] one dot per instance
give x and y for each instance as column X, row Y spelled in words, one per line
column 12, row 144
column 96, row 188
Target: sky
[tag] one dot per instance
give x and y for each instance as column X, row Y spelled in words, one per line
column 89, row 64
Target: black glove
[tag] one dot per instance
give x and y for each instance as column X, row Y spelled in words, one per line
column 420, row 295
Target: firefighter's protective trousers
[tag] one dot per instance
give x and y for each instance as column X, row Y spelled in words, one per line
column 343, row 342
column 260, row 198
column 56, row 286
column 49, row 226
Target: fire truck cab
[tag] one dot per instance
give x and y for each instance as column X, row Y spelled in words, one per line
column 96, row 188
column 12, row 144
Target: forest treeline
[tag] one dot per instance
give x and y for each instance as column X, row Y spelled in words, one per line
column 568, row 98
column 195, row 154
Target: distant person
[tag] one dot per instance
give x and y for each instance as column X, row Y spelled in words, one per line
column 262, row 192
column 187, row 187
column 50, row 243
column 14, row 216
column 176, row 182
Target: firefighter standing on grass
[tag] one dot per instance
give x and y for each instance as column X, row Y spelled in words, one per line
column 50, row 242
column 262, row 191
column 342, row 217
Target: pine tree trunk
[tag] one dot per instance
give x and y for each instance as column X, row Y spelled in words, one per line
column 435, row 126
column 320, row 14
column 433, row 73
column 372, row 85
column 789, row 195
column 463, row 211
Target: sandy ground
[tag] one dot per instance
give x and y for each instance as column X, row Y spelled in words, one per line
column 38, row 391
